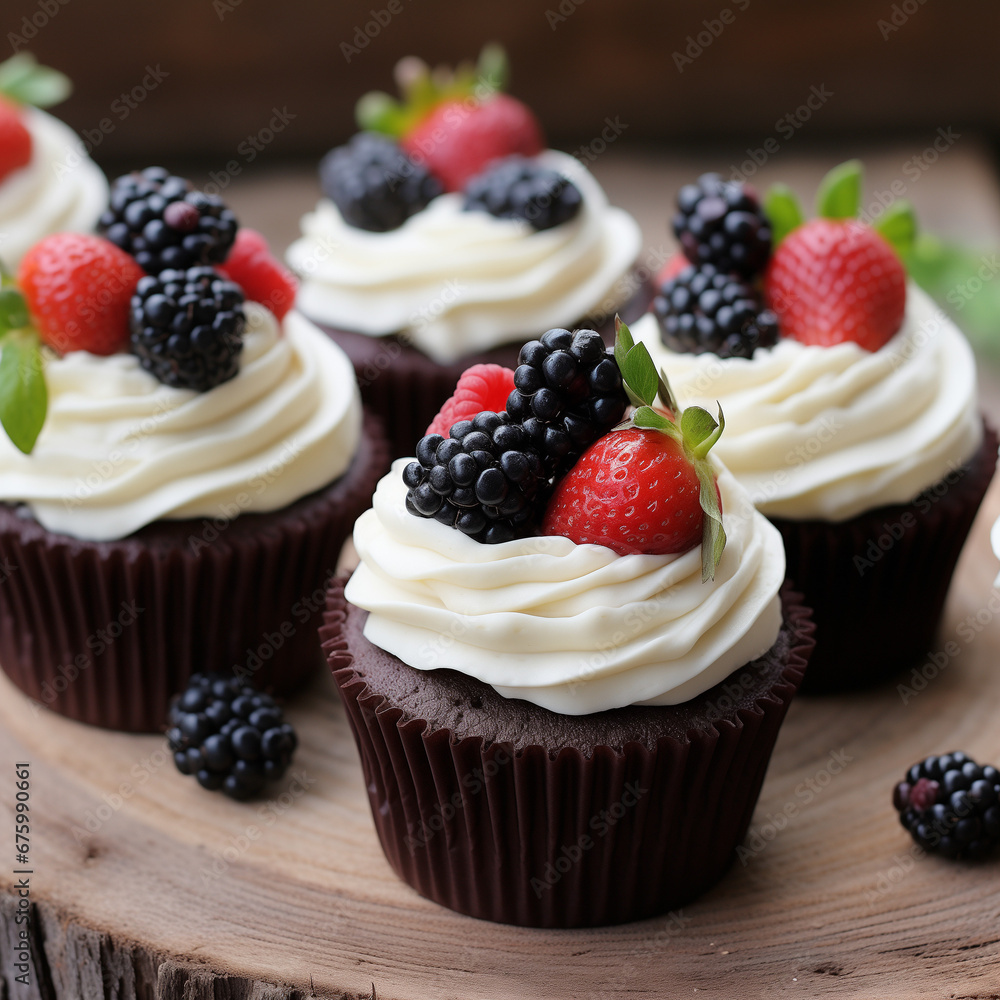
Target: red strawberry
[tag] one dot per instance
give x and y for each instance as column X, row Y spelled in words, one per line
column 15, row 139
column 672, row 268
column 632, row 490
column 459, row 137
column 834, row 280
column 78, row 289
column 481, row 387
column 262, row 276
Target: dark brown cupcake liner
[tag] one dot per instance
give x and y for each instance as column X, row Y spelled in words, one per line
column 406, row 388
column 564, row 831
column 108, row 632
column 877, row 583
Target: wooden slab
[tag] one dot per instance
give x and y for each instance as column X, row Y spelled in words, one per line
column 146, row 886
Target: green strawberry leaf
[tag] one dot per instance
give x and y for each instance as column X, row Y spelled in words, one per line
column 701, row 430
column 713, row 534
column 647, row 417
column 839, row 195
column 782, row 208
column 666, row 393
column 24, row 81
column 639, row 374
column 13, row 310
column 493, row 68
column 23, row 394
column 898, row 226
column 623, row 343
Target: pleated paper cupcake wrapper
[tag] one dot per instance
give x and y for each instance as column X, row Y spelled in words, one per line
column 407, row 389
column 108, row 632
column 877, row 583
column 554, row 838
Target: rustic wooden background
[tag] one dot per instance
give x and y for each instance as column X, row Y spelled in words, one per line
column 230, row 62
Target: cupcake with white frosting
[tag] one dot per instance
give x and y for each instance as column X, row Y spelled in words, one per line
column 177, row 480
column 565, row 718
column 48, row 183
column 857, row 431
column 448, row 234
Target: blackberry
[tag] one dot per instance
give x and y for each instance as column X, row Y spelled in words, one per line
column 187, row 327
column 702, row 310
column 164, row 223
column 375, row 184
column 568, row 392
column 721, row 222
column 485, row 479
column 229, row 736
column 517, row 188
column 950, row 805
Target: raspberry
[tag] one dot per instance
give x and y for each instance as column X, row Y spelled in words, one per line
column 229, row 736
column 481, row 387
column 262, row 277
column 78, row 289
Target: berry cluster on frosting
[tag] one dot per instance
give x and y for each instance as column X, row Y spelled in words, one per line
column 553, row 448
column 166, row 279
column 451, row 131
column 750, row 273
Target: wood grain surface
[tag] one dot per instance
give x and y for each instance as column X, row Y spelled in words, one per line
column 146, row 886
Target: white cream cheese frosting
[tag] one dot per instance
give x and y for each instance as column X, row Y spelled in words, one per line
column 995, row 542
column 830, row 432
column 60, row 189
column 573, row 628
column 120, row 450
column 456, row 282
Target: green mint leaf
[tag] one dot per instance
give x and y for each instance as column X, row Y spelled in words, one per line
column 713, row 534
column 839, row 195
column 898, row 226
column 639, row 373
column 24, row 81
column 782, row 208
column 23, row 394
column 13, row 310
column 623, row 342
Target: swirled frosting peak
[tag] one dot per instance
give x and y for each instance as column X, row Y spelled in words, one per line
column 573, row 628
column 120, row 450
column 456, row 282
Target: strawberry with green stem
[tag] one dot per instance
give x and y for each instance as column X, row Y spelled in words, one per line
column 23, row 82
column 647, row 486
column 836, row 278
column 23, row 393
column 454, row 123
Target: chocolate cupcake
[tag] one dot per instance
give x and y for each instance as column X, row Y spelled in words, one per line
column 565, row 671
column 857, row 432
column 448, row 234
column 154, row 530
column 507, row 811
